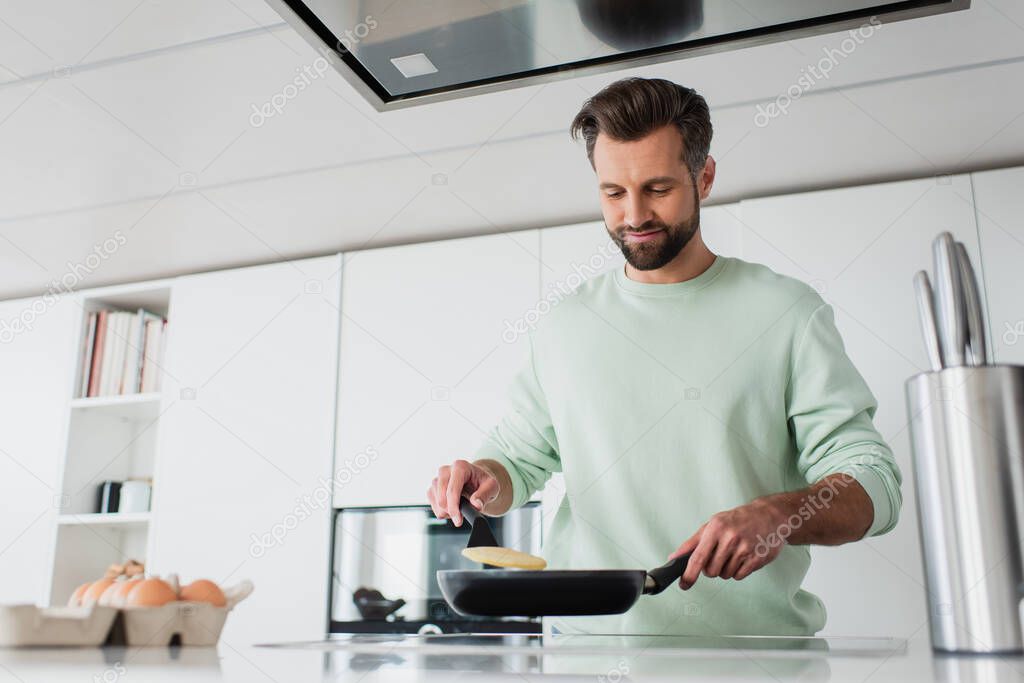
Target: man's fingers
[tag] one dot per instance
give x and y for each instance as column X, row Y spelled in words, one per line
column 459, row 475
column 749, row 566
column 432, row 498
column 737, row 560
column 441, row 491
column 723, row 553
column 484, row 493
column 698, row 560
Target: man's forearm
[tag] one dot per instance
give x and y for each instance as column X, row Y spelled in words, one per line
column 501, row 504
column 734, row 543
column 833, row 511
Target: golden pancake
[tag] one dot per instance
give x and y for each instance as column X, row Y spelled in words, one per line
column 503, row 557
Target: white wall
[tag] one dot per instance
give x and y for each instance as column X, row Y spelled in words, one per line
column 35, row 387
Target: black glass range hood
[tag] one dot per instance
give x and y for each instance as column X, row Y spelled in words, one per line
column 399, row 53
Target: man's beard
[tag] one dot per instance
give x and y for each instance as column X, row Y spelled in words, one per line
column 659, row 251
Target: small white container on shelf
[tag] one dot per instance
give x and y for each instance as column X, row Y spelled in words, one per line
column 135, row 495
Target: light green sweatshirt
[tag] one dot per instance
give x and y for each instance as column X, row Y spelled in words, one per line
column 664, row 404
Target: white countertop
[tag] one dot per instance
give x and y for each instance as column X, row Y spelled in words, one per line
column 485, row 658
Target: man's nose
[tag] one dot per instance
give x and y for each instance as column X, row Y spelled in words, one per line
column 637, row 211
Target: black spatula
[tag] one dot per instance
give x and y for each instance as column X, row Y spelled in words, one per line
column 481, row 535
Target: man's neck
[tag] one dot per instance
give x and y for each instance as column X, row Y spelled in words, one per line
column 693, row 260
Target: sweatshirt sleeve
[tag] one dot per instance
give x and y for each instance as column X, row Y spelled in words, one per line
column 830, row 410
column 524, row 441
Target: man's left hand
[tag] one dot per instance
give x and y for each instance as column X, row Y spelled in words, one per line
column 732, row 544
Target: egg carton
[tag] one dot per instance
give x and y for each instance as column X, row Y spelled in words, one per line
column 32, row 626
column 178, row 622
column 187, row 623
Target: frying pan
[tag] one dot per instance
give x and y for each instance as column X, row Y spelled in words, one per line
column 546, row 593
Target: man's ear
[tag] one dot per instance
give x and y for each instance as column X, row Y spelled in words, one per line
column 707, row 178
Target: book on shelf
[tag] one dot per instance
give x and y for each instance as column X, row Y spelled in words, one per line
column 122, row 352
column 87, row 350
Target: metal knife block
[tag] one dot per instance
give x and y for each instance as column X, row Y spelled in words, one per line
column 967, row 438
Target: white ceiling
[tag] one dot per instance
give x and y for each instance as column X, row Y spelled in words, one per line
column 149, row 132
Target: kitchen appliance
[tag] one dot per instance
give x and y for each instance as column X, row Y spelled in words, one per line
column 399, row 53
column 967, row 439
column 539, row 593
column 396, row 552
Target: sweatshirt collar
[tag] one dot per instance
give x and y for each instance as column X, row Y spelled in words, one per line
column 673, row 288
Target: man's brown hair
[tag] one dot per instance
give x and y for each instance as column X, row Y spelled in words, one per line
column 632, row 108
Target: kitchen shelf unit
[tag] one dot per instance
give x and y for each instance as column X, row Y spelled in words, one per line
column 126, row 519
column 112, row 437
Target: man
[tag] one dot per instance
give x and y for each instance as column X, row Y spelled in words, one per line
column 692, row 401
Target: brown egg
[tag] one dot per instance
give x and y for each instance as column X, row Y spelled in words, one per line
column 76, row 598
column 149, row 593
column 94, row 591
column 116, row 593
column 203, row 590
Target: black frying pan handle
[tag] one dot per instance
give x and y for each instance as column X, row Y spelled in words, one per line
column 665, row 575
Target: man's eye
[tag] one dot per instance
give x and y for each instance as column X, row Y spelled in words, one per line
column 658, row 191
column 613, row 195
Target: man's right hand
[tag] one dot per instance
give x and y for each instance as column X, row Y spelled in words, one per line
column 462, row 478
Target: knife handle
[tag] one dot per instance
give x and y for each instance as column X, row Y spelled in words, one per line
column 951, row 314
column 665, row 575
column 926, row 313
column 976, row 340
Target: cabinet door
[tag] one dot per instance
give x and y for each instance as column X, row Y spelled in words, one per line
column 860, row 247
column 37, row 338
column 1000, row 204
column 243, row 472
column 429, row 344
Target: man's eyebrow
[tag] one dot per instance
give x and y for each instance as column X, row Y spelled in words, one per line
column 660, row 180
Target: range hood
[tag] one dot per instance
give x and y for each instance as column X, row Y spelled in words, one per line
column 399, row 53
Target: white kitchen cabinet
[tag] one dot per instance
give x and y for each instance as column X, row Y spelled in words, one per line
column 429, row 345
column 37, row 339
column 244, row 463
column 860, row 247
column 1000, row 205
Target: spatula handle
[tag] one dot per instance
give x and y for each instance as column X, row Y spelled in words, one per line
column 469, row 513
column 665, row 575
